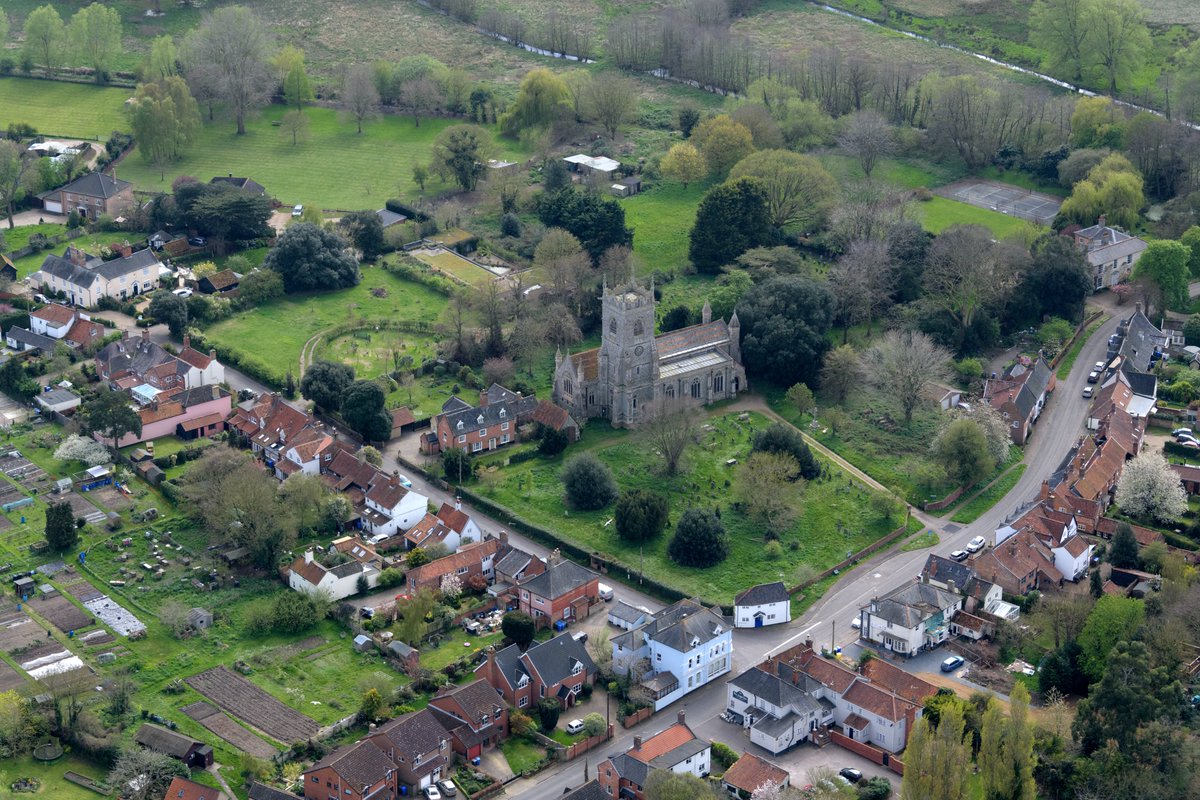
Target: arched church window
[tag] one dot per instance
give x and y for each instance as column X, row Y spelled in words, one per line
column 638, row 328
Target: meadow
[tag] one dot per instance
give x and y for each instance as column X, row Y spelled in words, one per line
column 835, row 517
column 64, row 109
column 662, row 218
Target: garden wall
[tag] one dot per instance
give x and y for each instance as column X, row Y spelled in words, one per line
column 870, row 549
column 873, row 754
column 1079, row 331
column 948, row 500
column 638, row 716
column 574, row 751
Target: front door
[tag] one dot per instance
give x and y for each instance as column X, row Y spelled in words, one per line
column 491, row 444
column 758, row 619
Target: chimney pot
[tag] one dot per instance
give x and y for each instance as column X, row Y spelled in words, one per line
column 682, row 717
column 187, row 340
column 308, row 556
column 637, row 743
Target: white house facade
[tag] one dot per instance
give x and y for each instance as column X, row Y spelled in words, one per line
column 762, row 605
column 310, row 576
column 676, row 651
column 910, row 619
column 391, row 508
column 778, row 714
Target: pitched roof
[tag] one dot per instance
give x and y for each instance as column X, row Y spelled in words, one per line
column 414, row 734
column 361, row 764
column 386, row 491
column 183, row 789
column 551, row 415
column 248, row 185
column 473, row 418
column 630, row 769
column 1142, row 339
column 912, row 604
column 223, row 279
column 195, row 358
column 623, row 611
column 681, row 342
column 555, row 660
column 84, row 332
column 669, row 747
column 94, row 184
column 473, row 553
column 513, row 562
column 478, row 701
column 402, row 416
column 878, row 701
column 30, row 339
column 773, row 689
column 750, row 772
column 898, row 681
column 592, row 790
column 55, row 314
column 944, row 570
column 162, row 740
column 763, row 594
column 260, row 791
column 559, row 579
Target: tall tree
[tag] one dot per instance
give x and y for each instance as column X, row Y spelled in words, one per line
column 45, row 37
column 163, row 62
column 460, row 153
column 170, row 308
column 326, row 382
column 1059, row 28
column 236, row 46
column 1124, row 550
column 800, row 192
column 723, row 143
column 962, row 450
column 1006, row 749
column 3, row 34
column 938, row 766
column 1113, row 619
column 732, row 218
column 297, row 89
column 1166, row 267
column 111, row 415
column 145, row 775
column 1117, row 40
column 862, row 283
column 640, row 515
column 1149, row 488
column 683, row 163
column 842, row 372
column 598, row 222
column 784, row 321
column 165, row 120
column 14, row 176
column 61, row 534
column 542, row 99
column 95, row 35
column 868, row 137
column 363, row 410
column 359, row 94
column 903, row 362
column 1131, row 694
column 308, row 258
column 967, row 271
column 610, row 99
column 671, row 433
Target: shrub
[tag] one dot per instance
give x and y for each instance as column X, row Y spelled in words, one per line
column 510, row 225
column 390, row 577
column 723, row 754
column 641, row 515
column 594, row 724
column 699, row 539
column 551, row 441
column 781, row 438
column 588, row 482
column 548, row 711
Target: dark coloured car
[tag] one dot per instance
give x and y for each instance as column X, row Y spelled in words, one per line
column 197, row 241
column 851, row 774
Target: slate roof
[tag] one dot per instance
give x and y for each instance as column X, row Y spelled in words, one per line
column 554, row 659
column 56, row 396
column 1039, row 377
column 623, row 611
column 259, row 791
column 559, row 579
column 909, row 606
column 30, row 339
column 678, row 343
column 64, row 269
column 247, row 185
column 508, row 661
column 1140, row 341
column 592, row 790
column 763, row 594
column 943, row 570
column 775, row 726
column 630, row 769
column 362, row 764
column 678, row 625
column 478, row 700
column 513, row 562
column 162, row 740
column 454, row 403
column 473, row 418
column 774, row 690
column 94, row 184
column 388, row 217
column 750, row 772
column 414, row 734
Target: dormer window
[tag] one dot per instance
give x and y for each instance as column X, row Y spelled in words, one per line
column 459, row 426
column 503, row 413
column 479, row 419
column 695, row 641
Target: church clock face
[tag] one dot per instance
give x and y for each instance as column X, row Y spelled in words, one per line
column 637, row 351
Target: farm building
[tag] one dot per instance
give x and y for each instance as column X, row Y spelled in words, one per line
column 195, row 754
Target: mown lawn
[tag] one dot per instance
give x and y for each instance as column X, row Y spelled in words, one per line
column 521, row 754
column 835, row 518
column 939, row 213
column 456, row 643
column 54, row 785
column 456, row 265
column 335, row 168
column 662, row 219
column 64, row 109
column 273, row 335
column 18, row 237
column 92, row 243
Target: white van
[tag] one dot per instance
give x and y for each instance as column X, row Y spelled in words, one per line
column 606, row 592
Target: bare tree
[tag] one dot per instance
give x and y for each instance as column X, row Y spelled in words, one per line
column 610, row 100
column 861, row 282
column 842, row 372
column 868, row 137
column 768, row 489
column 967, row 270
column 421, row 98
column 359, row 94
column 670, row 432
column 903, row 362
column 238, row 47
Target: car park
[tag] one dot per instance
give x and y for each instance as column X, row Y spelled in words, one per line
column 851, row 774
column 448, row 788
column 959, row 555
column 952, row 663
column 575, row 726
column 432, row 793
column 976, row 544
column 1087, row 392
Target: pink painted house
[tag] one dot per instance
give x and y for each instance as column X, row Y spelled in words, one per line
column 186, row 412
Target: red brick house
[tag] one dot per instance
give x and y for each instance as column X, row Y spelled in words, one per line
column 478, row 558
column 554, row 668
column 354, row 772
column 491, row 424
column 474, row 714
column 564, row 590
column 183, row 789
column 676, row 749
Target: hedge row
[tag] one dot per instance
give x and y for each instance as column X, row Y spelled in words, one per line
column 419, row 273
column 238, row 360
column 400, row 207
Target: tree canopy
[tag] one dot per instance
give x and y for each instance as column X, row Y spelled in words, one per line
column 782, row 438
column 732, row 218
column 588, row 482
column 364, row 411
column 460, row 153
column 640, row 515
column 799, row 192
column 597, row 222
column 699, row 539
column 309, row 258
column 784, row 321
column 326, row 383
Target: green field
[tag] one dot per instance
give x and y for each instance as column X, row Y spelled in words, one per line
column 370, row 351
column 274, row 334
column 662, row 218
column 939, row 213
column 54, row 785
column 92, row 243
column 835, row 517
column 335, row 168
column 64, row 109
column 455, row 265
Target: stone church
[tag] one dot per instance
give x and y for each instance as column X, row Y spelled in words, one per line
column 634, row 372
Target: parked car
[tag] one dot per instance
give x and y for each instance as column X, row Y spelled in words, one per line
column 976, row 544
column 448, row 788
column 856, row 623
column 197, row 241
column 575, row 726
column 580, row 636
column 405, row 482
column 298, row 210
column 366, row 612
column 1193, row 445
column 1099, row 366
column 952, row 663
column 851, row 774
column 959, row 555
column 432, row 793
column 1093, row 376
column 183, row 292
column 1180, row 431
column 1186, row 437
column 606, row 592
column 1087, row 392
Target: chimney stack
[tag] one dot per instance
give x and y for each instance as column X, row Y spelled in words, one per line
column 187, row 340
column 1103, row 221
column 681, row 716
column 504, row 538
column 637, row 743
column 126, row 249
column 308, row 556
column 76, row 256
column 458, row 504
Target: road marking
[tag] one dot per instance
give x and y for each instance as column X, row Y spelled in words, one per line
column 782, row 644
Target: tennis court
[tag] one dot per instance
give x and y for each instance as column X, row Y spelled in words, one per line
column 1006, row 199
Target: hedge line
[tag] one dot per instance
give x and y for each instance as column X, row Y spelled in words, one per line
column 419, row 273
column 238, row 360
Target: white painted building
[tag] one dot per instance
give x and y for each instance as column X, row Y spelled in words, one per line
column 391, row 508
column 310, row 576
column 912, row 618
column 676, row 651
column 762, row 605
column 778, row 714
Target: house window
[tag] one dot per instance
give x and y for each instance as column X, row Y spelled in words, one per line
column 504, row 439
column 462, row 439
column 541, row 691
column 476, row 447
column 503, row 426
column 463, row 570
column 539, row 601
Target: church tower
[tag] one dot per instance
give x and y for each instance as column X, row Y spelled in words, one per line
column 628, row 360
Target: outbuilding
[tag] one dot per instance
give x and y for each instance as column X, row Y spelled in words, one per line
column 762, row 605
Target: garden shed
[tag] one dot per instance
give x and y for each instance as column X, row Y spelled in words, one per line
column 200, row 618
column 363, row 643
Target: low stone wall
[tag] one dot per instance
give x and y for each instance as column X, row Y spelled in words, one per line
column 869, row 752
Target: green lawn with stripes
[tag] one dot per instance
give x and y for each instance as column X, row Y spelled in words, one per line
column 63, row 109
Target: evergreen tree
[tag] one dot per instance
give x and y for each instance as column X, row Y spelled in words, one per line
column 61, row 533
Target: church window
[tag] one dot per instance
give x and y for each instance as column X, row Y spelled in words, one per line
column 718, row 384
column 669, row 391
column 638, row 328
column 635, row 402
column 696, row 389
column 612, row 326
column 567, row 386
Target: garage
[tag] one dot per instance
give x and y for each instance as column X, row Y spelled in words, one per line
column 53, row 206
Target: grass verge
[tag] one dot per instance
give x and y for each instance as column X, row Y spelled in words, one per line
column 973, row 508
column 521, row 754
column 926, row 539
column 1064, row 366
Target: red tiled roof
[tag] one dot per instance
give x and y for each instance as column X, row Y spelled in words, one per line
column 202, row 422
column 879, row 702
column 402, row 416
column 84, row 332
column 750, row 772
column 551, row 415
column 55, row 314
column 969, row 621
column 663, row 742
column 183, row 789
column 587, row 363
column 898, row 681
column 471, row 554
column 195, row 358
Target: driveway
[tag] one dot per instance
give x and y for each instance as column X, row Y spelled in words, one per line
column 35, row 216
